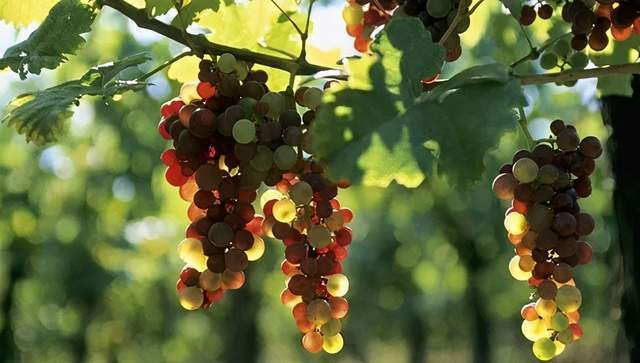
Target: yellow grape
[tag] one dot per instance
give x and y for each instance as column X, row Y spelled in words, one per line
column 191, row 297
column 515, row 223
column 516, row 271
column 528, row 312
column 190, row 251
column 568, row 298
column 312, row 341
column 284, row 210
column 525, row 170
column 559, row 347
column 318, row 236
column 526, row 263
column 534, row 329
column 352, row 14
column 318, row 312
column 332, row 327
column 210, row 280
column 257, row 250
column 544, row 349
column 333, row 344
column 337, row 284
column 546, row 308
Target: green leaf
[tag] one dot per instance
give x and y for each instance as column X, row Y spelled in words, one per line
column 158, row 7
column 47, row 46
column 477, row 74
column 514, row 6
column 23, row 12
column 190, row 12
column 373, row 132
column 41, row 115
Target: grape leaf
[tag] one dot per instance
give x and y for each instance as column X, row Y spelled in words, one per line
column 158, row 7
column 23, row 12
column 514, row 6
column 477, row 74
column 190, row 11
column 371, row 132
column 48, row 45
column 41, row 115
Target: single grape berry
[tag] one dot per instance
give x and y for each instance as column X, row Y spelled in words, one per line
column 545, row 11
column 548, row 60
column 528, row 15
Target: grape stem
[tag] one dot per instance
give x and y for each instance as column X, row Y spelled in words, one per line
column 201, row 45
column 164, row 65
column 288, row 17
column 535, row 52
column 460, row 15
column 523, row 125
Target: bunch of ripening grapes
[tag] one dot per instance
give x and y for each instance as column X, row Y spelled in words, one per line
column 546, row 227
column 231, row 135
column 363, row 17
column 590, row 20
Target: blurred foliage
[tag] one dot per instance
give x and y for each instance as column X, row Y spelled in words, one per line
column 88, row 230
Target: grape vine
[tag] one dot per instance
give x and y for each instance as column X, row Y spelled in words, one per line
column 546, row 225
column 231, row 134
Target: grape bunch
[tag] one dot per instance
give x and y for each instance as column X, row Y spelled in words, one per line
column 312, row 225
column 364, row 16
column 230, row 135
column 562, row 56
column 547, row 227
column 590, row 20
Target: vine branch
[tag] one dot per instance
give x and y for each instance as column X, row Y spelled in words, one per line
column 201, row 45
column 164, row 65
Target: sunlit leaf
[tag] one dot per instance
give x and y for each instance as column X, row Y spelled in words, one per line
column 41, row 115
column 23, row 12
column 48, row 45
column 185, row 69
column 400, row 138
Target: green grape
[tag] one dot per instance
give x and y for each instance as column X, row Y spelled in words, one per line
column 332, row 327
column 579, row 60
column 548, row 60
column 248, row 104
column 546, row 308
column 439, row 8
column 244, row 131
column 301, row 193
column 191, row 298
column 334, row 222
column 562, row 47
column 548, row 174
column 275, row 102
column 319, row 236
column 242, row 70
column 263, row 159
column 333, row 344
column 352, row 14
column 337, row 285
column 318, row 312
column 525, row 170
column 226, row 63
column 284, row 211
column 285, row 157
column 515, row 223
column 565, row 336
column 559, row 322
column 210, row 280
column 312, row 97
column 568, row 298
column 544, row 349
column 569, row 83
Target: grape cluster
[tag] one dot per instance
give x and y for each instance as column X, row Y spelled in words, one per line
column 231, row 135
column 590, row 20
column 562, row 56
column 546, row 227
column 364, row 16
column 312, row 225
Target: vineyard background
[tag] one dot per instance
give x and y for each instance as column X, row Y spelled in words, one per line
column 88, row 232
